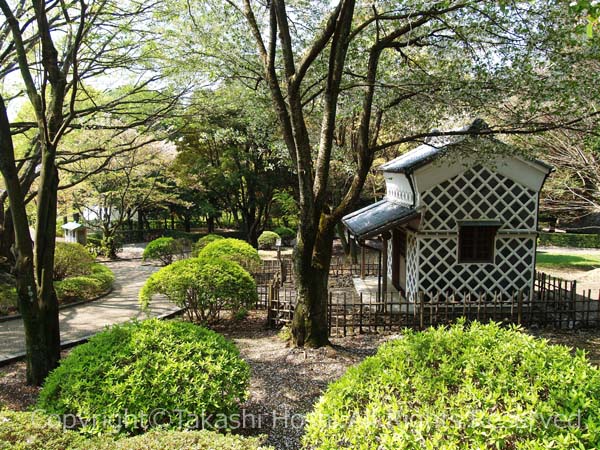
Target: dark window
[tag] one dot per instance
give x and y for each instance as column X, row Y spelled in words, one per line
column 476, row 243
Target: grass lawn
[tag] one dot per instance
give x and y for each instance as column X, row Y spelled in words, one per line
column 575, row 262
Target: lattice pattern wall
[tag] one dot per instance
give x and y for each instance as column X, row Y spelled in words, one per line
column 479, row 193
column 439, row 269
column 412, row 264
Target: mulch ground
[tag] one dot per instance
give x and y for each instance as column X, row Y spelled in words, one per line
column 286, row 382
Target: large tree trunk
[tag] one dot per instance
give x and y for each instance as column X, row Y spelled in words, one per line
column 311, row 264
column 37, row 300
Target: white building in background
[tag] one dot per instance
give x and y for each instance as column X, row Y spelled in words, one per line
column 460, row 215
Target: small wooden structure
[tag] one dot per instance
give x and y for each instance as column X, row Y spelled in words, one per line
column 75, row 233
column 459, row 216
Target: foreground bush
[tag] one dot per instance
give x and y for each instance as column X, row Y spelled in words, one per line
column 71, row 260
column 197, row 440
column 34, row 431
column 203, row 286
column 477, row 386
column 234, row 250
column 121, row 376
column 204, row 241
column 163, row 249
column 267, row 240
column 85, row 287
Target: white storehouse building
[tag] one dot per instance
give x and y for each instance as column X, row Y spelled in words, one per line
column 459, row 215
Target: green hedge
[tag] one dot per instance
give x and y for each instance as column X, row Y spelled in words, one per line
column 570, row 240
column 466, row 387
column 122, row 376
column 85, row 287
column 35, row 431
column 287, row 234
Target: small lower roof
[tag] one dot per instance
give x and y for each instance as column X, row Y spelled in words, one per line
column 377, row 218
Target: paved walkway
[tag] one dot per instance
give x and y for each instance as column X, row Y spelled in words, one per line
column 83, row 321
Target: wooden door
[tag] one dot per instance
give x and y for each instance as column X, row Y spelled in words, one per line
column 399, row 259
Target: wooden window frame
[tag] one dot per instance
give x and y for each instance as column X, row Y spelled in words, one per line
column 482, row 235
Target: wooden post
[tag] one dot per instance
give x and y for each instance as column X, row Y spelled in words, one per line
column 384, row 238
column 362, row 262
column 520, row 308
column 421, row 307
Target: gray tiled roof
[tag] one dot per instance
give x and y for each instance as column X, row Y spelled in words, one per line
column 377, row 218
column 435, row 147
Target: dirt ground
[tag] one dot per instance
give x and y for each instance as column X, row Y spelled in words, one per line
column 286, row 381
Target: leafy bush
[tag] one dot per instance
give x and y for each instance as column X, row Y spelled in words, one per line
column 35, row 431
column 8, row 299
column 122, row 376
column 234, row 250
column 179, row 440
column 267, row 240
column 477, row 386
column 570, row 240
column 163, row 249
column 85, row 287
column 203, row 286
column 204, row 241
column 71, row 260
column 287, row 234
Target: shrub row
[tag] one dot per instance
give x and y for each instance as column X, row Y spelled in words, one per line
column 35, row 431
column 570, row 240
column 84, row 287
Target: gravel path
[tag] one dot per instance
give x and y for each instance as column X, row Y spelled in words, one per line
column 286, row 382
column 88, row 319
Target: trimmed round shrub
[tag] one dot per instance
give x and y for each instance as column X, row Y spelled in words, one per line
column 287, row 234
column 163, row 249
column 234, row 250
column 85, row 287
column 204, row 241
column 71, row 260
column 141, row 375
column 203, row 286
column 476, row 386
column 267, row 240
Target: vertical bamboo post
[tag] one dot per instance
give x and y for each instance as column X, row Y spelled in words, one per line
column 421, row 307
column 520, row 308
column 362, row 262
